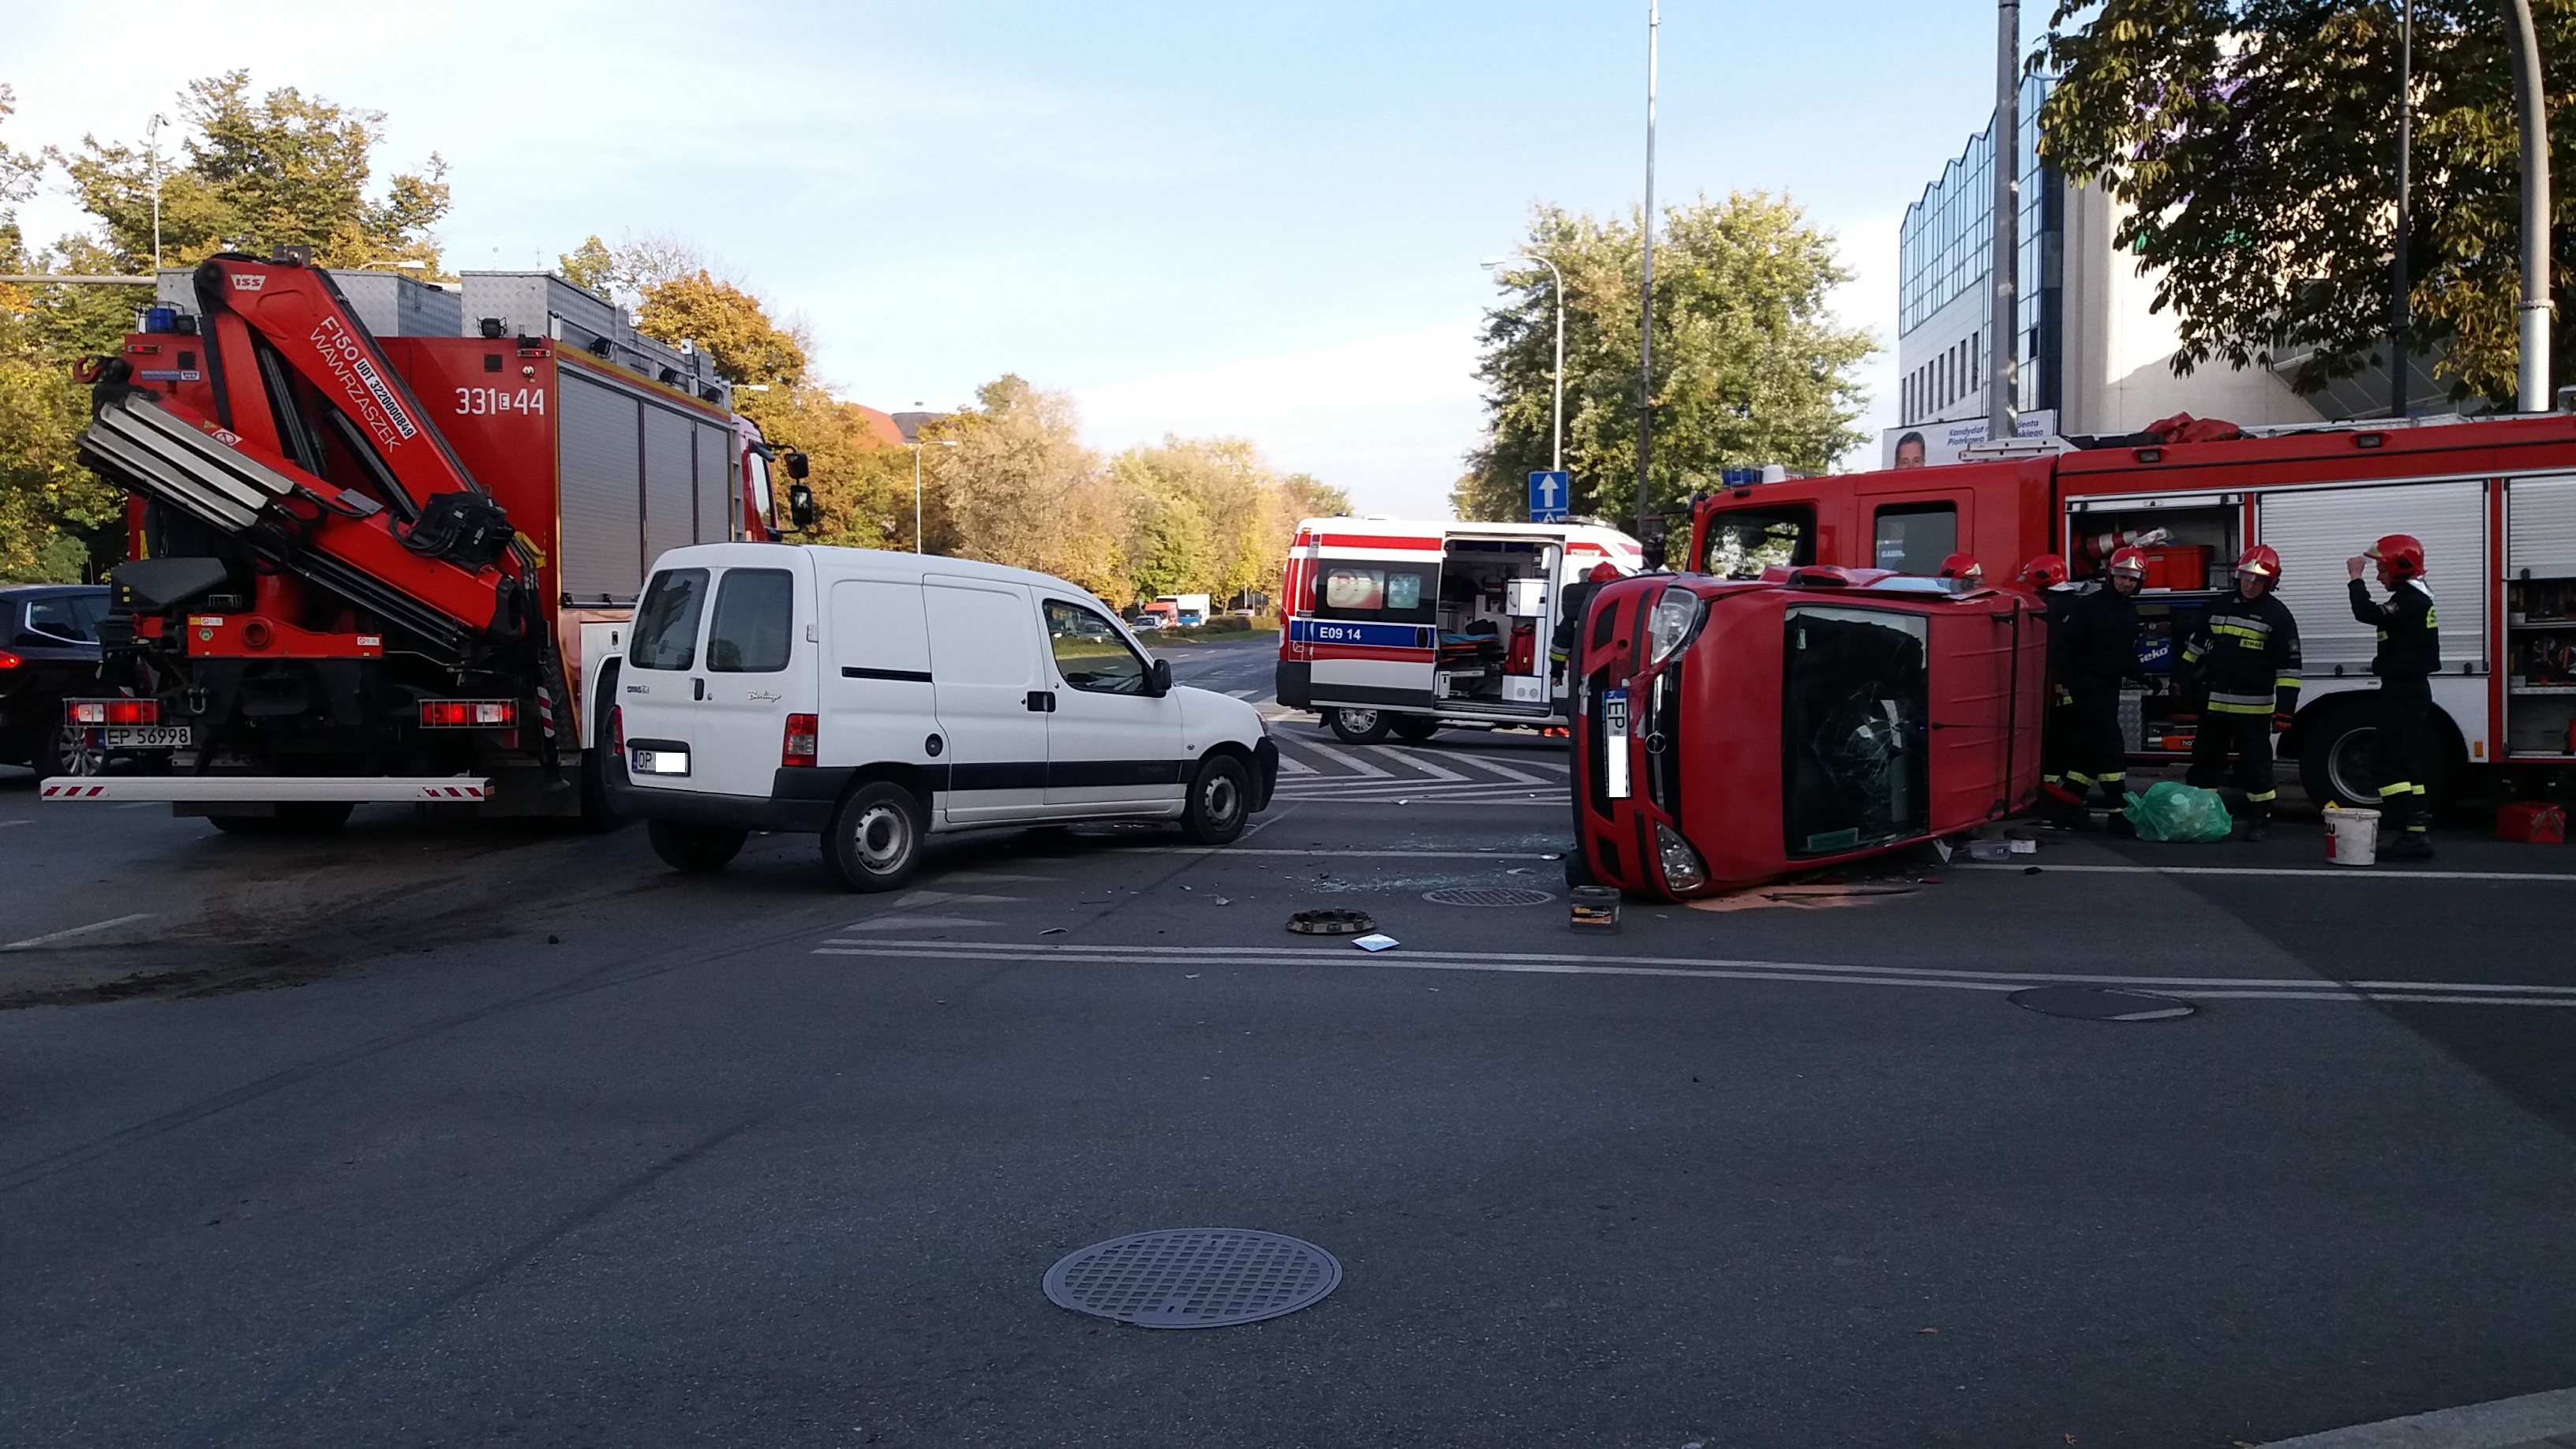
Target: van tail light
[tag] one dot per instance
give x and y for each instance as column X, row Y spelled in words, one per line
column 799, row 749
column 112, row 711
column 617, row 728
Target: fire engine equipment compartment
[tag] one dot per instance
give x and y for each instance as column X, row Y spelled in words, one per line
column 1494, row 618
column 1736, row 731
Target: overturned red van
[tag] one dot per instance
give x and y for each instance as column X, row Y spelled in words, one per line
column 1730, row 732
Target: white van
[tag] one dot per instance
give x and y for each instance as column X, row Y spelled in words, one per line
column 878, row 697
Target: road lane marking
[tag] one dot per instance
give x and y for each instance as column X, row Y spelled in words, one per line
column 2331, row 872
column 2194, row 987
column 1425, row 766
column 913, row 923
column 5, row 824
column 1245, row 693
column 951, row 898
column 1506, row 771
column 2529, row 1419
column 1290, row 765
column 1358, row 765
column 49, row 938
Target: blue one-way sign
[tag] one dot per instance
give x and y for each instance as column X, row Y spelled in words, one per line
column 1550, row 495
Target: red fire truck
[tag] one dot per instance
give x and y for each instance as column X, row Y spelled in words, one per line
column 2493, row 500
column 1731, row 731
column 388, row 557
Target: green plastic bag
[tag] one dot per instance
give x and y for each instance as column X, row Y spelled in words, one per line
column 2172, row 810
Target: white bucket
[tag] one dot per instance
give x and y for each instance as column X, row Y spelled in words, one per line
column 2352, row 836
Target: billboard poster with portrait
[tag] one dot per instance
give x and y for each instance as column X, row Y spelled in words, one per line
column 1929, row 445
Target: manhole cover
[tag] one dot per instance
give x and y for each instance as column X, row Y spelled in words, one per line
column 1486, row 896
column 2098, row 1003
column 1332, row 923
column 1193, row 1277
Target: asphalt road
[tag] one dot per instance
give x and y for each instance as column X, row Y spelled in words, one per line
column 439, row 1133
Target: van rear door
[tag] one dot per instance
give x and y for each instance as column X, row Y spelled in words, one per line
column 991, row 699
column 660, row 684
column 753, row 646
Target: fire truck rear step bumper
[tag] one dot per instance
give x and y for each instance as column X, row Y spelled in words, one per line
column 268, row 789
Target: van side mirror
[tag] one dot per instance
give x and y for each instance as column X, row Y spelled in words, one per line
column 797, row 466
column 800, row 505
column 1162, row 677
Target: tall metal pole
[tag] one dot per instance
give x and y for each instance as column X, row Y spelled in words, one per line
column 916, row 498
column 2398, row 284
column 1556, row 448
column 2533, row 382
column 152, row 148
column 1646, row 291
column 2003, row 380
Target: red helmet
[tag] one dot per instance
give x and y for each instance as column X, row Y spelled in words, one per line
column 2129, row 559
column 1960, row 566
column 2261, row 561
column 2046, row 571
column 2403, row 552
column 1603, row 572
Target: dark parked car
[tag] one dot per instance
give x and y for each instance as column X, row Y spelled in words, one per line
column 49, row 649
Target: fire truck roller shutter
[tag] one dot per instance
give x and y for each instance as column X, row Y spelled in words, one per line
column 670, row 507
column 2539, row 528
column 713, row 447
column 2316, row 530
column 602, row 545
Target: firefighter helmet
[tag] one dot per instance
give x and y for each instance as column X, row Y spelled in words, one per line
column 2129, row 559
column 2402, row 552
column 1960, row 566
column 2046, row 571
column 2262, row 561
column 1603, row 572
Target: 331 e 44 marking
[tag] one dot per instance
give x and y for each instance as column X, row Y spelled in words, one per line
column 488, row 401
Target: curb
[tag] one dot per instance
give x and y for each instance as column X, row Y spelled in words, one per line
column 2533, row 1421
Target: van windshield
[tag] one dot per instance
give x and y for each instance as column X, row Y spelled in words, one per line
column 1854, row 695
column 666, row 623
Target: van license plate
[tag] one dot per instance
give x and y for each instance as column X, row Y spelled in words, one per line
column 149, row 737
column 661, row 762
column 1614, row 742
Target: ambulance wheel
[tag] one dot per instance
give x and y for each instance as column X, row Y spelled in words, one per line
column 1414, row 728
column 874, row 843
column 1361, row 726
column 1220, row 797
column 694, row 849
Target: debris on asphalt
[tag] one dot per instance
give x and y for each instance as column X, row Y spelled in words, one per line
column 1052, row 931
column 1193, row 976
column 1374, row 942
column 1593, row 908
column 1222, row 901
column 2030, row 870
column 1331, row 923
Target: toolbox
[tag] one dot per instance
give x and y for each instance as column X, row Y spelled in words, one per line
column 2531, row 823
column 2178, row 566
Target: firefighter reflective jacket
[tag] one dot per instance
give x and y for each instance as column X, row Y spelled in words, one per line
column 2097, row 644
column 2410, row 644
column 2250, row 648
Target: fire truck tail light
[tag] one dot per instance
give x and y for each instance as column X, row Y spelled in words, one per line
column 112, row 711
column 468, row 714
column 1682, row 867
column 799, row 746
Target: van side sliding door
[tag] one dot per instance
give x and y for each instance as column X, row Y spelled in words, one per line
column 991, row 698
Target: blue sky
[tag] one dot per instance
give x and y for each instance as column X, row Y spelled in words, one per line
column 1257, row 220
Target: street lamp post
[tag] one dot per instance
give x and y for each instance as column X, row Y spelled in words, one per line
column 1556, row 448
column 1646, row 281
column 916, row 486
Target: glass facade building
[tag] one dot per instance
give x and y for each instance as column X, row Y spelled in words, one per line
column 1944, row 252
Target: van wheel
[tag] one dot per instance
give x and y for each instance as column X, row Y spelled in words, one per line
column 1361, row 726
column 1415, row 728
column 694, row 849
column 874, row 843
column 1220, row 797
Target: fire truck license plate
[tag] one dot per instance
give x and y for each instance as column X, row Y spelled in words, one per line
column 148, row 737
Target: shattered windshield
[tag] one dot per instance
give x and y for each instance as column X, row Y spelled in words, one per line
column 1853, row 700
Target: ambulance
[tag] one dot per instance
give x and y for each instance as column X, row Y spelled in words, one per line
column 1401, row 627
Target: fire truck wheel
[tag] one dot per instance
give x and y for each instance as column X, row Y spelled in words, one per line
column 1220, row 796
column 1415, row 728
column 2334, row 760
column 694, row 848
column 1361, row 726
column 874, row 843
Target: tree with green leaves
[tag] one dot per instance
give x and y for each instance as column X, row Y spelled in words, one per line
column 2253, row 144
column 1750, row 367
column 57, row 520
column 261, row 170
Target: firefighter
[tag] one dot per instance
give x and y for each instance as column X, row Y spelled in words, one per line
column 1966, row 570
column 2046, row 577
column 1572, row 603
column 2091, row 651
column 2247, row 647
column 2410, row 651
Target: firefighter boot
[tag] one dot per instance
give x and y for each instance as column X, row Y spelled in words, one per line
column 2257, row 822
column 2412, row 843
